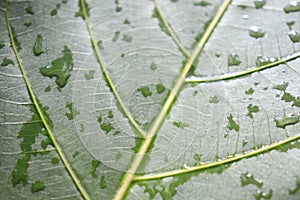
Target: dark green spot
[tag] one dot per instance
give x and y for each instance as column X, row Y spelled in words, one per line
column 145, row 91
column 250, row 91
column 60, row 68
column 297, row 187
column 6, row 62
column 27, row 24
column 80, row 13
column 99, row 44
column 200, row 35
column 160, row 88
column 197, row 158
column 252, row 109
column 107, row 127
column 116, row 132
column 282, row 123
column 202, row 3
column 37, row 48
column 64, row 1
column 288, row 97
column 110, row 114
column 281, row 87
column 260, row 194
column 153, row 66
column 53, row 12
column 48, row 89
column 232, row 125
column 99, row 119
column 259, row 3
column 2, row 44
column 15, row 39
column 127, row 38
column 247, row 179
column 55, row 160
column 116, row 36
column 46, row 142
column 180, row 125
column 58, row 6
column 75, row 154
column 173, row 1
column 29, row 10
column 28, row 134
column 214, row 99
column 90, row 75
column 233, row 59
column 95, row 164
column 126, row 21
column 103, row 183
column 195, row 92
column 73, row 112
column 37, row 186
column 118, row 156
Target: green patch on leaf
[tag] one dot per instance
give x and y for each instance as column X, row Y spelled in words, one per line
column 281, row 87
column 103, row 183
column 161, row 24
column 72, row 111
column 252, row 109
column 180, row 125
column 15, row 39
column 127, row 38
column 48, row 88
column 297, row 187
column 214, row 99
column 75, row 154
column 116, row 36
column 89, row 75
column 153, row 66
column 6, row 62
column 145, row 90
column 250, row 91
column 110, row 114
column 247, row 179
column 2, row 44
column 202, row 3
column 232, row 125
column 55, row 160
column 106, row 127
column 37, row 48
column 60, row 68
column 80, row 13
column 282, row 123
column 95, row 165
column 288, row 97
column 29, row 10
column 27, row 24
column 262, row 195
column 53, row 12
column 37, row 186
column 160, row 88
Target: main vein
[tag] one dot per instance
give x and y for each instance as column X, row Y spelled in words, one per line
column 217, row 163
column 39, row 110
column 106, row 74
column 128, row 177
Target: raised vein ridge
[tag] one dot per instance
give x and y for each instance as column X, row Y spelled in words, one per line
column 39, row 110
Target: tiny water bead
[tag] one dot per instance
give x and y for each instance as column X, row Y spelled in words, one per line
column 260, row 61
column 259, row 3
column 233, row 59
column 256, row 32
column 294, row 36
column 245, row 16
column 292, row 6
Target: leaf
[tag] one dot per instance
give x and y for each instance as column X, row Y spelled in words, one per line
column 149, row 99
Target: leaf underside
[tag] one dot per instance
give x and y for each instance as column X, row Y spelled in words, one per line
column 176, row 99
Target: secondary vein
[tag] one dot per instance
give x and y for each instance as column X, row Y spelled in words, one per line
column 128, row 178
column 39, row 110
column 106, row 74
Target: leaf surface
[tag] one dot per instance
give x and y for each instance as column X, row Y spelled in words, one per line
column 150, row 99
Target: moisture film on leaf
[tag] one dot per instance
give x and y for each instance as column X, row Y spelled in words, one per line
column 160, row 99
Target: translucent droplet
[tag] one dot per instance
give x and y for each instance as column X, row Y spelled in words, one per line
column 256, row 32
column 283, row 70
column 233, row 59
column 260, row 61
column 292, row 6
column 245, row 17
column 259, row 3
column 294, row 36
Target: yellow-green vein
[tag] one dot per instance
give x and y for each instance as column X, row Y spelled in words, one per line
column 106, row 74
column 242, row 73
column 170, row 31
column 217, row 163
column 128, row 177
column 40, row 112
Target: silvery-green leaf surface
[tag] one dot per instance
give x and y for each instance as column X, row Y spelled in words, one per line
column 162, row 99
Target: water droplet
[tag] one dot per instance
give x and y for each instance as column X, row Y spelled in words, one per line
column 259, row 195
column 245, row 142
column 245, row 16
column 259, row 3
column 283, row 70
column 294, row 36
column 256, row 32
column 292, row 6
column 260, row 61
column 233, row 59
